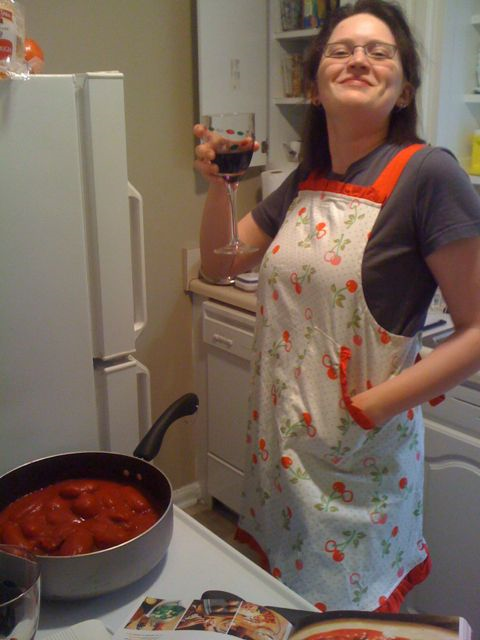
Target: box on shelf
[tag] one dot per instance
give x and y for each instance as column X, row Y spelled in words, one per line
column 291, row 14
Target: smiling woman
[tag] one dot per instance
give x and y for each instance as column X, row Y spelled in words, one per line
column 353, row 245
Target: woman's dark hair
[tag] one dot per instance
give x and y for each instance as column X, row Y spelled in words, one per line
column 403, row 123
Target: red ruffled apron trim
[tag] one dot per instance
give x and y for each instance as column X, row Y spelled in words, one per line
column 242, row 536
column 357, row 414
column 315, row 182
column 417, row 575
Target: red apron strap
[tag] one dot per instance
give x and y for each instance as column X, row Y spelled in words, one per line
column 387, row 180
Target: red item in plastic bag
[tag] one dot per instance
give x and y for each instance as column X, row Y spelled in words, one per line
column 34, row 56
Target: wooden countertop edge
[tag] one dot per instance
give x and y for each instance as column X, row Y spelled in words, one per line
column 225, row 293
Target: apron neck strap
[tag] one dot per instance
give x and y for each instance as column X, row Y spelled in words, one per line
column 387, row 180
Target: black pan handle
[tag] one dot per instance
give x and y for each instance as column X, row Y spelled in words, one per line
column 150, row 444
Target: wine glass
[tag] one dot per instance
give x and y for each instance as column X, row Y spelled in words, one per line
column 19, row 593
column 233, row 137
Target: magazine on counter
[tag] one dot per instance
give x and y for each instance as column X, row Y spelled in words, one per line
column 210, row 615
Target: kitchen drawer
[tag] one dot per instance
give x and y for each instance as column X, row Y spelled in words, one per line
column 224, row 483
column 460, row 409
column 228, row 329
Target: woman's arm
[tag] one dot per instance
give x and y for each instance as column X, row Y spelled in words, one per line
column 456, row 268
column 215, row 226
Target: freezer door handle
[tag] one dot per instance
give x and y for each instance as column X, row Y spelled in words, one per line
column 123, row 401
column 138, row 260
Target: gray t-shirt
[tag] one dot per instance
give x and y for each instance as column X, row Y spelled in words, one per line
column 433, row 204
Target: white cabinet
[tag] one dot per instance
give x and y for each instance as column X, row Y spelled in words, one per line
column 228, row 335
column 452, row 508
column 232, row 61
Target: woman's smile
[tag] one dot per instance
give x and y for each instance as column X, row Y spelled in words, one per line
column 357, row 82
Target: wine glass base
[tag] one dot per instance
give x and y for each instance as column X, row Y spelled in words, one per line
column 235, row 249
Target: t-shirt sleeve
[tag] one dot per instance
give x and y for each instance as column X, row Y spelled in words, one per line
column 447, row 204
column 270, row 213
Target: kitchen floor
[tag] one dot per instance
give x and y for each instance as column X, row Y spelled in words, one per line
column 223, row 522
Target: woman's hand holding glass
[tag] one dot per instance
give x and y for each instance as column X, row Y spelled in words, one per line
column 222, row 157
column 205, row 154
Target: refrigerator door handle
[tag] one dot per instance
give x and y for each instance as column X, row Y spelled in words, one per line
column 138, row 260
column 144, row 399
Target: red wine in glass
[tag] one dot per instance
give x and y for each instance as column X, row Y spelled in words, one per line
column 234, row 164
column 233, row 137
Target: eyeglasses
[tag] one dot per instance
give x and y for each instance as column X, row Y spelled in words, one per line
column 374, row 50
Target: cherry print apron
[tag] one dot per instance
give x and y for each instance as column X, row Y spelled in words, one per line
column 334, row 502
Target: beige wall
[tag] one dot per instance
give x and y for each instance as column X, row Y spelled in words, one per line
column 150, row 42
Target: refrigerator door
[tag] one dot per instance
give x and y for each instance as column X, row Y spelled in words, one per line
column 47, row 386
column 123, row 400
column 114, row 219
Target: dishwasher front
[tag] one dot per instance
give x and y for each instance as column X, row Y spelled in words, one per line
column 228, row 333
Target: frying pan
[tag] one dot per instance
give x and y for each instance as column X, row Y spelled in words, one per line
column 100, row 572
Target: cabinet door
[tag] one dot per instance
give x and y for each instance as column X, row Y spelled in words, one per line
column 228, row 389
column 452, row 523
column 232, row 60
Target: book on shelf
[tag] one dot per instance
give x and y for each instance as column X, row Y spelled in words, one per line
column 217, row 613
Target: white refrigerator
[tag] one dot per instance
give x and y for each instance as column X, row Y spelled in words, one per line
column 72, row 275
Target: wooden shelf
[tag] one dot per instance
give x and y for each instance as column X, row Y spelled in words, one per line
column 290, row 101
column 295, row 34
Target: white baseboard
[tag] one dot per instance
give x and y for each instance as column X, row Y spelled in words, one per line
column 187, row 496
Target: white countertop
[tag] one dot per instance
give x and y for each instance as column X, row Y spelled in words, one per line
column 197, row 560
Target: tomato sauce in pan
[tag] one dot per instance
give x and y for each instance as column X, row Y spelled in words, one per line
column 73, row 517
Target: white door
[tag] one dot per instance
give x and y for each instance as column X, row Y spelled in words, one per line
column 113, row 219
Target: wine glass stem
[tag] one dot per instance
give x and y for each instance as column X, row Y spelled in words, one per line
column 232, row 196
